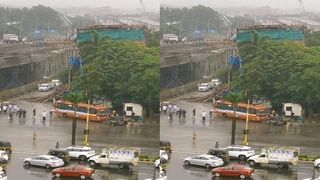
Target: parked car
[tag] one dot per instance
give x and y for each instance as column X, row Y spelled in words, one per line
column 74, row 171
column 3, row 175
column 44, row 87
column 202, row 87
column 316, row 178
column 317, row 163
column 6, row 146
column 55, row 83
column 220, row 153
column 47, row 161
column 60, row 153
column 239, row 151
column 234, row 170
column 205, row 160
column 80, row 152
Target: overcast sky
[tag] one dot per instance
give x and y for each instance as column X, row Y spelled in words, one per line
column 283, row 4
column 123, row 4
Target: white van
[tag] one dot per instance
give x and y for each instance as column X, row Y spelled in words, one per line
column 129, row 108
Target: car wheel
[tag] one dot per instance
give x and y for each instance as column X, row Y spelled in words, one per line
column 242, row 157
column 48, row 166
column 187, row 163
column 318, row 165
column 92, row 163
column 27, row 163
column 57, row 175
column 82, row 158
column 82, row 177
column 252, row 163
column 242, row 176
column 208, row 166
column 217, row 174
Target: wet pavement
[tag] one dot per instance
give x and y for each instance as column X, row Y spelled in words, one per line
column 179, row 132
column 19, row 132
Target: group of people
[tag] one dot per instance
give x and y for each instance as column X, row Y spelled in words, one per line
column 11, row 109
column 43, row 114
column 173, row 109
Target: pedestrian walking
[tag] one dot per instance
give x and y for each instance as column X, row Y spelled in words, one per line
column 50, row 114
column 216, row 145
column 180, row 113
column 34, row 137
column 24, row 113
column 19, row 112
column 194, row 136
column 170, row 115
column 34, row 112
column 44, row 115
column 204, row 114
column 210, row 114
column 57, row 145
column 184, row 113
column 5, row 108
column 194, row 112
column 164, row 108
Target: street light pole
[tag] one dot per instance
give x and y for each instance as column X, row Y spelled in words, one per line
column 74, row 126
column 245, row 133
column 86, row 140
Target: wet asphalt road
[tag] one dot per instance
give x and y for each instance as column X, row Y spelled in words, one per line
column 19, row 133
column 179, row 132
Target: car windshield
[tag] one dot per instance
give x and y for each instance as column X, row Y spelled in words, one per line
column 213, row 158
column 102, row 112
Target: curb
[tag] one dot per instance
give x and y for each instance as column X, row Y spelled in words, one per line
column 146, row 162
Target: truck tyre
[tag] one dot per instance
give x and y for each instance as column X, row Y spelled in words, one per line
column 92, row 163
column 82, row 158
column 252, row 163
column 242, row 157
column 242, row 176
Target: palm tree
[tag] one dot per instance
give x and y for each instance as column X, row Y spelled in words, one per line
column 234, row 98
column 74, row 98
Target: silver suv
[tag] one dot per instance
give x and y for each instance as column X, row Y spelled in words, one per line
column 239, row 151
column 80, row 152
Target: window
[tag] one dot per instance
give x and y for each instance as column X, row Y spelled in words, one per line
column 129, row 108
column 103, row 156
column 288, row 108
column 92, row 111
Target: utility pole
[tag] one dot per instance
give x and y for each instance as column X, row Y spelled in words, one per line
column 246, row 131
column 86, row 131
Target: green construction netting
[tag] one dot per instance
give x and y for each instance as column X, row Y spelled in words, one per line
column 278, row 34
column 115, row 34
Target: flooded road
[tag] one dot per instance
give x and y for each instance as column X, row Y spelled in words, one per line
column 179, row 132
column 19, row 132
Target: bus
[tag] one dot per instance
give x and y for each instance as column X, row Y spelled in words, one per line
column 96, row 112
column 256, row 112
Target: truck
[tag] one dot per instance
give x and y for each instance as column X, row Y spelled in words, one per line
column 292, row 111
column 133, row 110
column 170, row 38
column 121, row 157
column 280, row 156
column 10, row 38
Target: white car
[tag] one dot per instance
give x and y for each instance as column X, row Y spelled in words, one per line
column 215, row 82
column 80, row 152
column 239, row 151
column 202, row 87
column 4, row 155
column 44, row 87
column 47, row 161
column 317, row 178
column 205, row 160
column 3, row 176
column 317, row 163
column 55, row 83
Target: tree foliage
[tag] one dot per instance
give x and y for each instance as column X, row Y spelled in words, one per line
column 281, row 71
column 120, row 71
